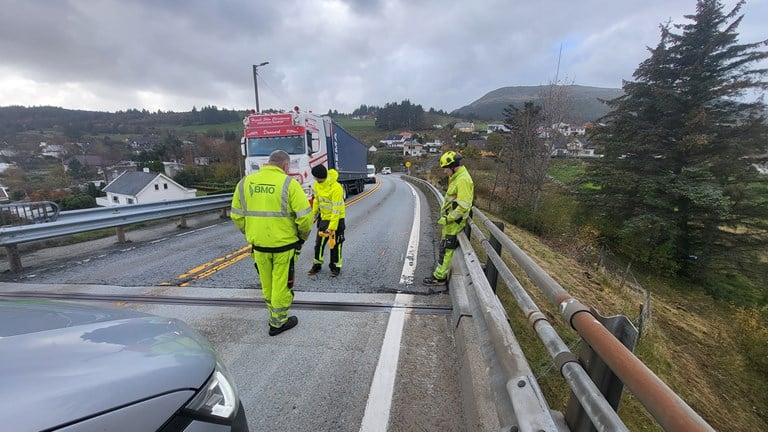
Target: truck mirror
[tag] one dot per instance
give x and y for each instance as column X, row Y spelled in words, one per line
column 242, row 148
column 315, row 147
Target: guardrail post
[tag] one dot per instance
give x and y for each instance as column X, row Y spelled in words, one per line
column 14, row 259
column 183, row 222
column 490, row 270
column 120, row 231
column 606, row 381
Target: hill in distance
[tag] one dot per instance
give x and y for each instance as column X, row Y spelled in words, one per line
column 584, row 102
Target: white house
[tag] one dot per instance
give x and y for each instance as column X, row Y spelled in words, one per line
column 569, row 130
column 433, row 147
column 412, row 148
column 52, row 150
column 393, row 141
column 497, row 128
column 143, row 187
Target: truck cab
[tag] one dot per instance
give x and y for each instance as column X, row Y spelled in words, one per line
column 297, row 135
column 310, row 140
column 371, row 174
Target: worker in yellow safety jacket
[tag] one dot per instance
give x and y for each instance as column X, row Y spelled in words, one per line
column 454, row 213
column 328, row 209
column 273, row 212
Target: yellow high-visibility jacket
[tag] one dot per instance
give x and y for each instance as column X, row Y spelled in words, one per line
column 458, row 201
column 271, row 209
column 329, row 200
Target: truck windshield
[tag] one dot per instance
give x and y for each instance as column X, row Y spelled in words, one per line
column 264, row 146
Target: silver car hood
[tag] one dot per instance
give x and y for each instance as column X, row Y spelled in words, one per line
column 61, row 362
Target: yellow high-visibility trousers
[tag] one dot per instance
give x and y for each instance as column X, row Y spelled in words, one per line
column 276, row 276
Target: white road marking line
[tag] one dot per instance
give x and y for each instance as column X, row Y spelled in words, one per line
column 196, row 230
column 376, row 417
column 409, row 266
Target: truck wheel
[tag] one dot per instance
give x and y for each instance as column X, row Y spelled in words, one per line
column 345, row 189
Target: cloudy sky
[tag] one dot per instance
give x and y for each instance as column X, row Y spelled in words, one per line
column 323, row 54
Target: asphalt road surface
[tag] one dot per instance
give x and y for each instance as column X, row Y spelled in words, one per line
column 352, row 368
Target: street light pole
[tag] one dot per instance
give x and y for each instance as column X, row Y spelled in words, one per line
column 256, row 82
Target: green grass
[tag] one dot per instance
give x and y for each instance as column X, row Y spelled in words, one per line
column 566, row 170
column 353, row 125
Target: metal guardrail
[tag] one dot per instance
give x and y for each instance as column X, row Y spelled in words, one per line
column 79, row 221
column 595, row 389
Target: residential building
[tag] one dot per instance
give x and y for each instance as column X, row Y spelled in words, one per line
column 434, row 147
column 143, row 187
column 91, row 161
column 393, row 140
column 172, row 168
column 52, row 150
column 497, row 128
column 574, row 147
column 465, row 127
column 412, row 148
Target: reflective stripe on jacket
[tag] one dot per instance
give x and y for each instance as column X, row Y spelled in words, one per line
column 271, row 209
column 458, row 197
column 329, row 199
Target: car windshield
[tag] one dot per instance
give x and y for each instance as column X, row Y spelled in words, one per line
column 264, row 146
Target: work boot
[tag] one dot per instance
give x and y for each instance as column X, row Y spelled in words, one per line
column 287, row 325
column 315, row 269
column 431, row 280
column 335, row 271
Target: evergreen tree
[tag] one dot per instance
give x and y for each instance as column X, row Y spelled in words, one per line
column 676, row 189
column 403, row 115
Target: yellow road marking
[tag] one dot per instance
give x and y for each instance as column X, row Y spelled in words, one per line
column 206, row 269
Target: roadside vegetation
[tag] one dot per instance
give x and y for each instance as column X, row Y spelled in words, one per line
column 673, row 211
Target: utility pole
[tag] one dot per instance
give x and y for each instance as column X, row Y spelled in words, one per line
column 256, row 82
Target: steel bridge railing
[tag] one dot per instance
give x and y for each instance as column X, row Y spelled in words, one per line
column 596, row 385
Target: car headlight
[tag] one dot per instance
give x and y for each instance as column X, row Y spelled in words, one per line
column 217, row 401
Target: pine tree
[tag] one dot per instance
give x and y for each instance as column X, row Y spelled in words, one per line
column 676, row 189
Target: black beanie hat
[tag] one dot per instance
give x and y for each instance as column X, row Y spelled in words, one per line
column 320, row 172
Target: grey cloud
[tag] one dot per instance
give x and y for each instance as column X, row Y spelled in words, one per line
column 328, row 55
